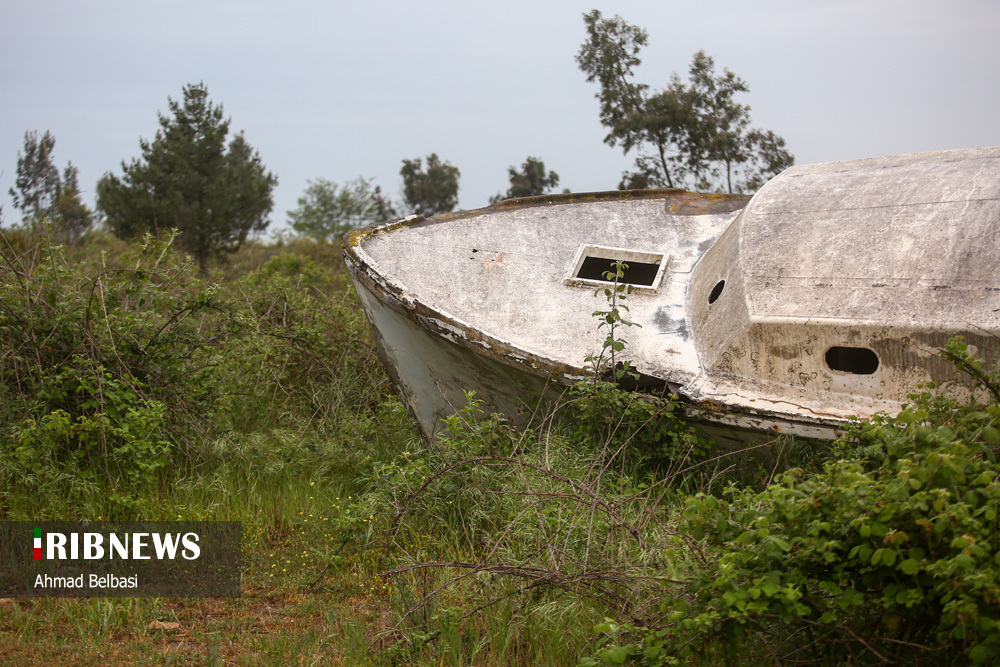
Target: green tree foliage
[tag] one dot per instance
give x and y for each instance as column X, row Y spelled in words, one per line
column 190, row 180
column 690, row 134
column 43, row 195
column 726, row 152
column 71, row 216
column 530, row 181
column 37, row 184
column 328, row 211
column 430, row 191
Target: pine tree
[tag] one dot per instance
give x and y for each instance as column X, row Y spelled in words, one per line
column 46, row 199
column 189, row 179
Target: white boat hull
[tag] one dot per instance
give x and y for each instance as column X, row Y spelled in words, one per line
column 827, row 296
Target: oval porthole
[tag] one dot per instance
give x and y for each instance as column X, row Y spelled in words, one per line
column 716, row 292
column 853, row 360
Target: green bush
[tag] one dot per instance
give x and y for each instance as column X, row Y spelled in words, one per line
column 91, row 362
column 116, row 435
column 124, row 369
column 887, row 555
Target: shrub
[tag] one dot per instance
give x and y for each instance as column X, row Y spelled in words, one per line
column 121, row 371
column 885, row 555
column 91, row 363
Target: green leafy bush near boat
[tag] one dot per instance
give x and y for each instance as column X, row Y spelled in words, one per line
column 886, row 555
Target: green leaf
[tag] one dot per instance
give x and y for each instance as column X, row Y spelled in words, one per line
column 616, row 655
column 981, row 653
column 862, row 552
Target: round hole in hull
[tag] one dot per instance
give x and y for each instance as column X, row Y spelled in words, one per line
column 716, row 292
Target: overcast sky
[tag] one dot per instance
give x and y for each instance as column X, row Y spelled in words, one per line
column 343, row 89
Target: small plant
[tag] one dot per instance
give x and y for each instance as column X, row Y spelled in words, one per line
column 606, row 362
column 626, row 423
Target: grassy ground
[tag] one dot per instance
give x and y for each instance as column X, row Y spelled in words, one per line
column 312, row 594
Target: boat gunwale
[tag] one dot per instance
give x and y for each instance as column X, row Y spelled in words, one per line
column 686, row 203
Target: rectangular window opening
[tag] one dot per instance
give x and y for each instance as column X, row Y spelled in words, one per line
column 643, row 270
column 635, row 273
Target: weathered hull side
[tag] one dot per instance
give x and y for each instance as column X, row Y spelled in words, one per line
column 434, row 375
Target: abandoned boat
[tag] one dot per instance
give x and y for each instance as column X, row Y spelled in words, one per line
column 826, row 296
